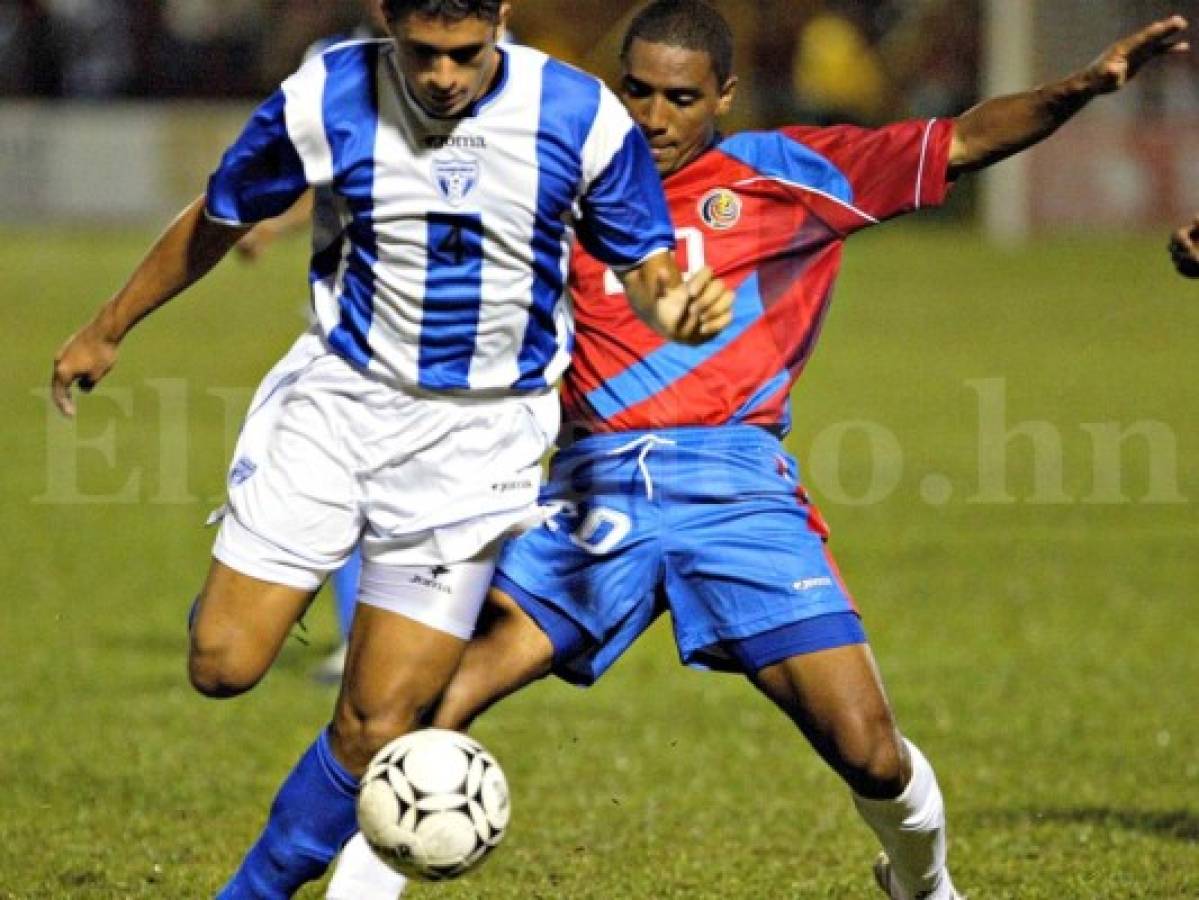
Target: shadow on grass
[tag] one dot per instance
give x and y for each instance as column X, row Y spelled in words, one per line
column 1176, row 824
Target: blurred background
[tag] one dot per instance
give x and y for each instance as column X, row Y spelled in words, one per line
column 117, row 109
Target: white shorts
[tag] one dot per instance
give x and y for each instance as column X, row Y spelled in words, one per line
column 329, row 458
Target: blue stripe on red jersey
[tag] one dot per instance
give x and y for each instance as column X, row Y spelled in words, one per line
column 674, row 361
column 774, row 154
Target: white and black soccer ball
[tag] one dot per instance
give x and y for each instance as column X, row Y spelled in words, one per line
column 433, row 804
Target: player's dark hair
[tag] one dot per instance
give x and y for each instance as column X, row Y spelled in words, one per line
column 688, row 24
column 452, row 10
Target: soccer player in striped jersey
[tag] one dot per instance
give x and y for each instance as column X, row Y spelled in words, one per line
column 673, row 489
column 412, row 417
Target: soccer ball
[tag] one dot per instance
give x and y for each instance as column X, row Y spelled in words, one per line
column 433, row 804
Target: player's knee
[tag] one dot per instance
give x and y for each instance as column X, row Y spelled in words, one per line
column 358, row 734
column 870, row 756
column 216, row 669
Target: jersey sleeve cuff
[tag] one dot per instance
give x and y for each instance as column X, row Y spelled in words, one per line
column 621, row 267
column 223, row 220
column 932, row 179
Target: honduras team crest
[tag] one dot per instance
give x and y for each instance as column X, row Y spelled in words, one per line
column 720, row 209
column 456, row 178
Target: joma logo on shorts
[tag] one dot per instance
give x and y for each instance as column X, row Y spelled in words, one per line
column 431, row 583
column 807, row 584
column 501, row 487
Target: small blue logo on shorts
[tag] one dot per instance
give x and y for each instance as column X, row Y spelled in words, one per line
column 242, row 470
column 808, row 584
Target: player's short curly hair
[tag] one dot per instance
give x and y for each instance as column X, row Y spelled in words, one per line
column 689, row 24
column 453, row 10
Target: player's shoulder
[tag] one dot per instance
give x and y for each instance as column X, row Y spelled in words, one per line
column 794, row 139
column 352, row 54
column 346, row 70
column 570, row 103
column 557, row 77
column 332, row 41
column 353, row 58
column 794, row 154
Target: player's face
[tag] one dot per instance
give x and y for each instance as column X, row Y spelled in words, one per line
column 447, row 64
column 673, row 95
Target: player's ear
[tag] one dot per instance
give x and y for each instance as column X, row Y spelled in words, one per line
column 728, row 93
column 501, row 25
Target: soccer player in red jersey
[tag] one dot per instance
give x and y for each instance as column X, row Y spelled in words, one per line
column 672, row 488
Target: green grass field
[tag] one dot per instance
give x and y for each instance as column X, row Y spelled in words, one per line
column 1042, row 651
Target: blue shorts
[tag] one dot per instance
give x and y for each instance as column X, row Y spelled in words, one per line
column 708, row 523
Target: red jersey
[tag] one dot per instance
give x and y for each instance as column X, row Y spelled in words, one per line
column 768, row 211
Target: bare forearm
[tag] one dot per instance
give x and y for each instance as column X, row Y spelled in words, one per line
column 185, row 252
column 690, row 313
column 1003, row 126
column 647, row 283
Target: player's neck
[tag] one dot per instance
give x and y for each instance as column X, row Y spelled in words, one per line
column 717, row 137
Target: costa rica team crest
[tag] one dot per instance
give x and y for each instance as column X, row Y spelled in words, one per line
column 456, row 178
column 720, row 209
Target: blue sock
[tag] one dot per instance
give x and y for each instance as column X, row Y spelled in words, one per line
column 345, row 591
column 310, row 820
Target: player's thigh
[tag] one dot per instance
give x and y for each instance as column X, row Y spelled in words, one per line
column 509, row 649
column 239, row 625
column 827, row 690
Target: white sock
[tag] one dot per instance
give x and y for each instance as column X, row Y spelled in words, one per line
column 360, row 875
column 911, row 829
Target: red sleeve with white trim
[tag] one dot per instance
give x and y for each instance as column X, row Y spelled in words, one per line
column 891, row 170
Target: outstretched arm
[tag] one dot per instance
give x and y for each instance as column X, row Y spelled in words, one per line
column 691, row 312
column 187, row 250
column 998, row 128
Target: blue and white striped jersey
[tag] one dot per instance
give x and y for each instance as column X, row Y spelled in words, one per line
column 441, row 246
